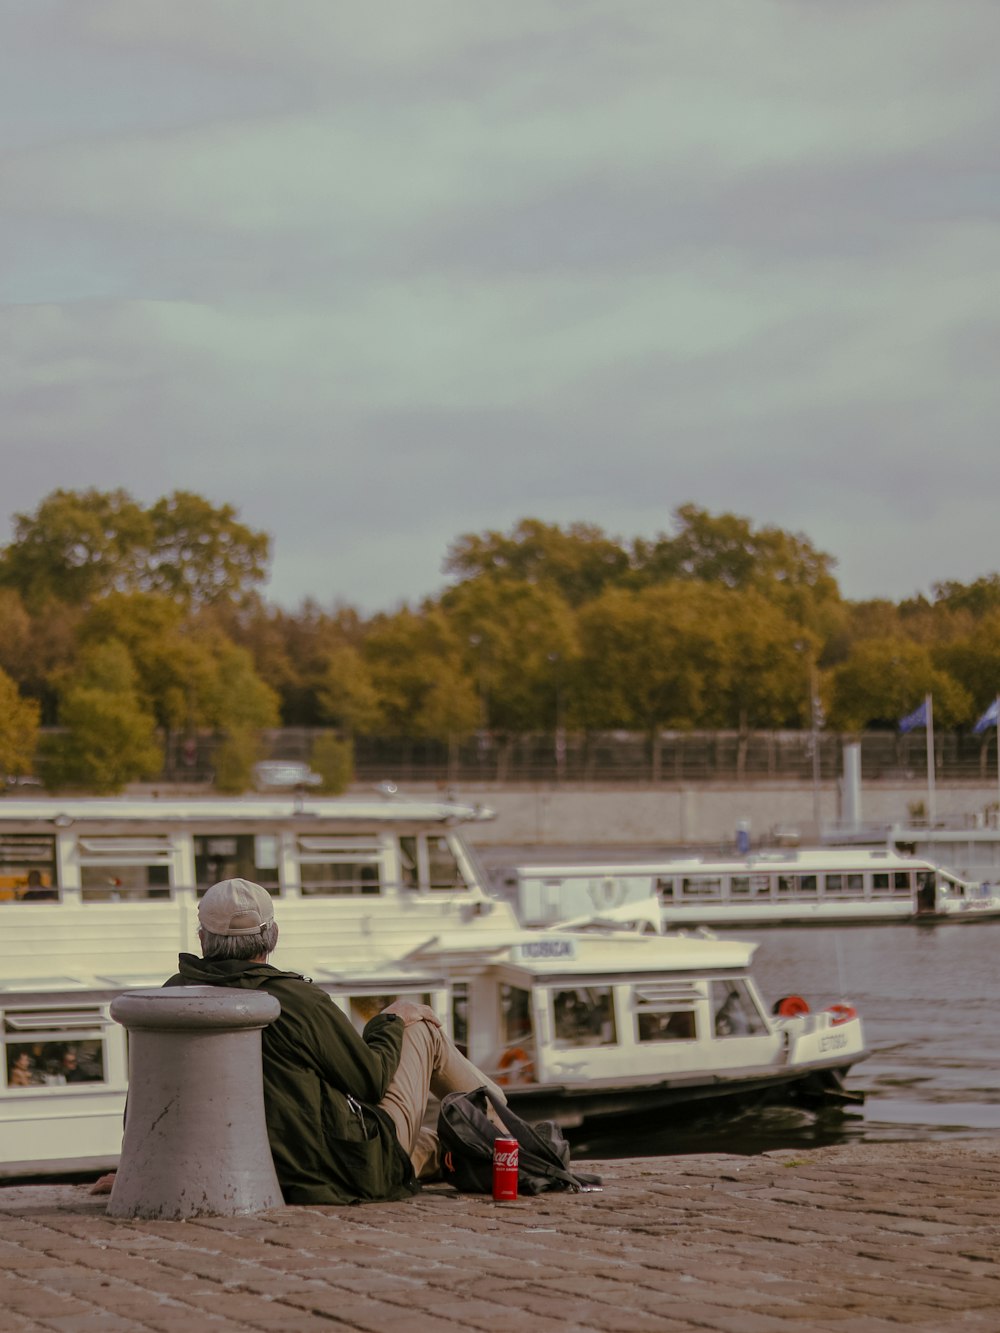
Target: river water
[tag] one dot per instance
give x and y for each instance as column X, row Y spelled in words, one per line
column 929, row 998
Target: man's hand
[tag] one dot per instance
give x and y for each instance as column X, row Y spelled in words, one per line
column 410, row 1012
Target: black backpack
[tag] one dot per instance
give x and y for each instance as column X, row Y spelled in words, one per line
column 467, row 1136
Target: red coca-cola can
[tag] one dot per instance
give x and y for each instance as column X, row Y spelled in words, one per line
column 504, row 1169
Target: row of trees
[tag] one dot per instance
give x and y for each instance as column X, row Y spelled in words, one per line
column 122, row 625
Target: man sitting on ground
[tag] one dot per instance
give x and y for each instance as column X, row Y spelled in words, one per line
column 344, row 1111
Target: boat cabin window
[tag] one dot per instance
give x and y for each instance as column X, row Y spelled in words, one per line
column 885, row 882
column 444, row 872
column 236, row 856
column 584, row 1016
column 27, row 868
column 124, row 869
column 666, row 1011
column 665, row 889
column 47, row 1049
column 701, row 886
column 739, row 886
column 734, row 1010
column 844, row 886
column 340, row 865
column 515, row 1014
column 428, row 861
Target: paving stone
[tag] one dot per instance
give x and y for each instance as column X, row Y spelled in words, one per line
column 855, row 1239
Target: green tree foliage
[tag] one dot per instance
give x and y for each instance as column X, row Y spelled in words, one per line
column 518, row 641
column 974, row 662
column 107, row 740
column 230, row 695
column 190, row 675
column 979, row 598
column 18, row 730
column 647, row 658
column 333, row 759
column 347, row 698
column 292, row 651
column 579, row 561
column 726, row 550
column 767, row 678
column 201, row 554
column 81, row 545
column 15, row 637
column 418, row 672
column 235, row 757
column 76, row 546
column 885, row 679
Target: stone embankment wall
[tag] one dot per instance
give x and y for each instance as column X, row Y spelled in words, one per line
column 702, row 814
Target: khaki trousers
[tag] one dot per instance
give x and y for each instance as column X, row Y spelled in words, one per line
column 430, row 1063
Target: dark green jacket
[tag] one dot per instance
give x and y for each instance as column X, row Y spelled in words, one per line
column 329, row 1140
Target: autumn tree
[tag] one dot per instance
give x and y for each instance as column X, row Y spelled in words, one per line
column 647, row 658
column 418, row 670
column 82, row 545
column 346, row 696
column 201, row 553
column 726, row 549
column 974, row 662
column 18, row 730
column 107, row 739
column 885, row 679
column 579, row 561
column 517, row 640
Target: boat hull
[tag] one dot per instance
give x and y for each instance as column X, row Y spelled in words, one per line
column 817, row 1088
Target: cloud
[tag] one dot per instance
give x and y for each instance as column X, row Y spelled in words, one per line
column 382, row 274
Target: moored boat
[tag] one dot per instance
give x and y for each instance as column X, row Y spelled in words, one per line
column 375, row 899
column 828, row 886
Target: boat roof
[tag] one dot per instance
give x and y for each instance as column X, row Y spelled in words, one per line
column 553, row 952
column 395, row 809
column 795, row 861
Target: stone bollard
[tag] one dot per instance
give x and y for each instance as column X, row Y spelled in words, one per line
column 195, row 1139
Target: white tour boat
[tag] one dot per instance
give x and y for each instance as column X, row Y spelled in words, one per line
column 375, row 899
column 828, row 886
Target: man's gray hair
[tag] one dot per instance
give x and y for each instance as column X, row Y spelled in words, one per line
column 240, row 948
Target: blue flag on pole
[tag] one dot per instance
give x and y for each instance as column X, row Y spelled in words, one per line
column 988, row 719
column 918, row 718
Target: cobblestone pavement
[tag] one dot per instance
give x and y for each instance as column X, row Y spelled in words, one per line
column 853, row 1239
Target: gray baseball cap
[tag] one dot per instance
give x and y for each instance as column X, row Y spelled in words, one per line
column 235, row 907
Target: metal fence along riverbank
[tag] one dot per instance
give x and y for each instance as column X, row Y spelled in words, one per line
column 618, row 756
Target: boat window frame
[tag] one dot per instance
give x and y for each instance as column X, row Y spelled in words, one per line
column 665, row 1001
column 114, row 857
column 56, row 1031
column 267, row 876
column 416, row 864
column 22, row 864
column 360, row 852
column 758, row 1020
column 562, row 1040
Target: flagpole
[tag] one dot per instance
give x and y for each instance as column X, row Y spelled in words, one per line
column 929, row 707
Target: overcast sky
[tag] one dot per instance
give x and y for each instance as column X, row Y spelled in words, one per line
column 378, row 274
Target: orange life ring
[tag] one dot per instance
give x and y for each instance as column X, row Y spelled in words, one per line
column 841, row 1013
column 515, row 1062
column 791, row 1006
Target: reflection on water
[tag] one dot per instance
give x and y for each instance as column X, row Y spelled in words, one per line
column 929, row 997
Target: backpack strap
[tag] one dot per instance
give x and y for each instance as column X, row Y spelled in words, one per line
column 521, row 1129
